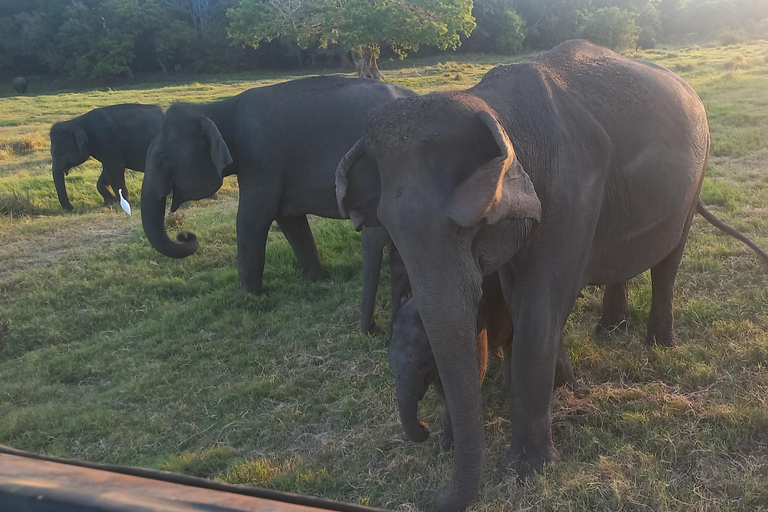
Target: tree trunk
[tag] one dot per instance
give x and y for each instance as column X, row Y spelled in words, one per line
column 365, row 61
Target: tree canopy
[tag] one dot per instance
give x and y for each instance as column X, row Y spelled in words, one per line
column 354, row 25
column 104, row 39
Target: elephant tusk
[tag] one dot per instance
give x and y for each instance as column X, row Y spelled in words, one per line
column 125, row 204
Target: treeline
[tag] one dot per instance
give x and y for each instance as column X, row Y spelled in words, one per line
column 105, row 38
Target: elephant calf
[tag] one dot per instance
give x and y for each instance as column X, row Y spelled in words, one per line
column 415, row 368
column 118, row 136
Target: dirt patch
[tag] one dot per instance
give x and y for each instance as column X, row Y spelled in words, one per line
column 57, row 239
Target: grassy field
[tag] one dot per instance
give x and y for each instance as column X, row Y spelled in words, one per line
column 113, row 353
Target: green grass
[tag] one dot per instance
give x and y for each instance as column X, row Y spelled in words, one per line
column 113, row 353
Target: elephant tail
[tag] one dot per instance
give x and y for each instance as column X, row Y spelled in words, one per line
column 704, row 212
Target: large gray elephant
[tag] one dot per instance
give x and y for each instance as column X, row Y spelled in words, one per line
column 578, row 167
column 20, row 84
column 118, row 136
column 283, row 141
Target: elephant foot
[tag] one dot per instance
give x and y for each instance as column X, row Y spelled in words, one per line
column 665, row 338
column 68, row 207
column 564, row 378
column 522, row 461
column 109, row 202
column 255, row 289
column 607, row 327
column 373, row 330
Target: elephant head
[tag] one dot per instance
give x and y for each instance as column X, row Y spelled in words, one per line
column 413, row 366
column 187, row 158
column 439, row 172
column 69, row 148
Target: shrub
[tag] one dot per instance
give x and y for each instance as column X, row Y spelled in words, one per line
column 729, row 36
column 611, row 27
column 16, row 205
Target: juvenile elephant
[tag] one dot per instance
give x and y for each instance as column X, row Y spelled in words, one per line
column 117, row 136
column 283, row 141
column 578, row 167
column 20, row 84
column 415, row 369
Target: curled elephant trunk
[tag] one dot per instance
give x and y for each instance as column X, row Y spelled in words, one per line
column 153, row 197
column 61, row 188
column 408, row 405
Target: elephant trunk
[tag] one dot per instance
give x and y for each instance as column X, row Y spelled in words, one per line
column 409, row 393
column 61, row 187
column 447, row 284
column 153, row 197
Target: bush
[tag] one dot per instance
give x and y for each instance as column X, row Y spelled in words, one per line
column 17, row 205
column 611, row 27
column 500, row 29
column 728, row 36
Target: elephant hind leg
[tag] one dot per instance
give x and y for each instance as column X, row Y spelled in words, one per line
column 102, row 185
column 661, row 325
column 298, row 234
column 615, row 308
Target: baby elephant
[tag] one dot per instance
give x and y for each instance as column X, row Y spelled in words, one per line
column 118, row 136
column 415, row 368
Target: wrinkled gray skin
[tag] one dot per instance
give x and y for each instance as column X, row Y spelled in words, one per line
column 415, row 369
column 578, row 167
column 283, row 142
column 20, row 84
column 117, row 136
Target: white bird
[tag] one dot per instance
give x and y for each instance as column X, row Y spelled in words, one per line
column 125, row 204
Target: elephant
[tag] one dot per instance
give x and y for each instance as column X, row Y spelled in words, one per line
column 20, row 84
column 283, row 142
column 645, row 43
column 118, row 136
column 414, row 368
column 577, row 167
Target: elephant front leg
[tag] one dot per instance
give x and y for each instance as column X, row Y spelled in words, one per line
column 373, row 242
column 298, row 234
column 539, row 309
column 252, row 230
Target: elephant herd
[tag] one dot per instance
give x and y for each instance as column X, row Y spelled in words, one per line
column 499, row 204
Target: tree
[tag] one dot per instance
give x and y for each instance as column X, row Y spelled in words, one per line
column 116, row 37
column 550, row 22
column 360, row 26
column 611, row 27
column 500, row 29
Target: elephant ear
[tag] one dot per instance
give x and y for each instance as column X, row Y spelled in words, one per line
column 220, row 154
column 81, row 139
column 499, row 189
column 358, row 186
